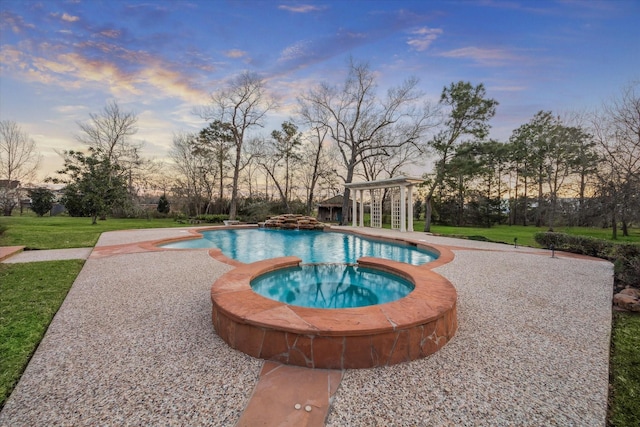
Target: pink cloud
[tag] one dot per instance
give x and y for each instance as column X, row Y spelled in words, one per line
column 69, row 18
column 15, row 22
column 235, row 53
column 151, row 77
column 490, row 57
column 303, row 8
column 112, row 34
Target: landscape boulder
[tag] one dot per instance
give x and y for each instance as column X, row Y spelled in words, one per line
column 628, row 299
column 294, row 222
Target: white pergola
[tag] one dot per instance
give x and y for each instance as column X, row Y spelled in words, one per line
column 401, row 207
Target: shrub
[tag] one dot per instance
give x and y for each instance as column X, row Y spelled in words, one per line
column 163, row 205
column 558, row 240
column 260, row 210
column 625, row 256
column 627, row 264
column 212, row 219
column 41, row 200
column 179, row 217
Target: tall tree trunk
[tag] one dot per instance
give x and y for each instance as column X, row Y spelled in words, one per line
column 427, row 213
column 309, row 202
column 552, row 212
column 345, row 200
column 344, row 220
column 583, row 186
column 489, row 209
column 515, row 205
column 526, row 202
column 460, row 219
column 234, row 190
column 221, row 187
column 539, row 210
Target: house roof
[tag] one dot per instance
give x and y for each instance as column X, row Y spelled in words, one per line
column 5, row 183
column 385, row 183
column 334, row 201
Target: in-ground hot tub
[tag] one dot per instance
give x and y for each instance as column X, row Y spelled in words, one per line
column 409, row 328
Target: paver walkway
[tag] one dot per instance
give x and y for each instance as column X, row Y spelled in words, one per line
column 47, row 255
column 9, row 251
column 133, row 344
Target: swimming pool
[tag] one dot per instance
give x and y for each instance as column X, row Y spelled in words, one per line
column 313, row 247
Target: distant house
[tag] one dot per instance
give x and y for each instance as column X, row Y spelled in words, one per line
column 9, row 185
column 9, row 195
column 330, row 210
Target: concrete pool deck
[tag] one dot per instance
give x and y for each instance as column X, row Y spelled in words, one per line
column 133, row 344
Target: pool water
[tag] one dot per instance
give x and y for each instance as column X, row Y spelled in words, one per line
column 251, row 245
column 331, row 286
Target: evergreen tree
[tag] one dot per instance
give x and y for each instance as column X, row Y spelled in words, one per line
column 93, row 185
column 41, row 200
column 468, row 111
column 163, row 205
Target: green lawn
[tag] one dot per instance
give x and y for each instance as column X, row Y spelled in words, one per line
column 62, row 232
column 30, row 294
column 506, row 233
column 625, row 371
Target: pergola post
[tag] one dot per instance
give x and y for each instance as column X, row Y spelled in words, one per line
column 403, row 209
column 361, row 194
column 370, row 208
column 354, row 210
column 410, row 208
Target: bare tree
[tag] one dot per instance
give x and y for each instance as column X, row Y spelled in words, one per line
column 616, row 129
column 111, row 131
column 19, row 161
column 214, row 142
column 242, row 104
column 196, row 172
column 317, row 164
column 281, row 158
column 393, row 164
column 360, row 123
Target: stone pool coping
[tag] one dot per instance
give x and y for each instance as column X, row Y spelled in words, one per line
column 380, row 335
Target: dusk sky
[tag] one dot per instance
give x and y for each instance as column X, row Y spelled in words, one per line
column 61, row 60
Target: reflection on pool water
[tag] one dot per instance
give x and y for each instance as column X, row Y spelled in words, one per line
column 331, row 286
column 251, row 245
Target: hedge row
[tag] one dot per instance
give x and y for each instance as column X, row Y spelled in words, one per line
column 625, row 256
column 212, row 219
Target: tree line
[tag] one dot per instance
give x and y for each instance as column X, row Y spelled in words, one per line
column 572, row 169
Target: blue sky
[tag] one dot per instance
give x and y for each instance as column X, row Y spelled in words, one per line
column 61, row 60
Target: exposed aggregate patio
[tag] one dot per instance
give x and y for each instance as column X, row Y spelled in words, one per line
column 133, row 344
